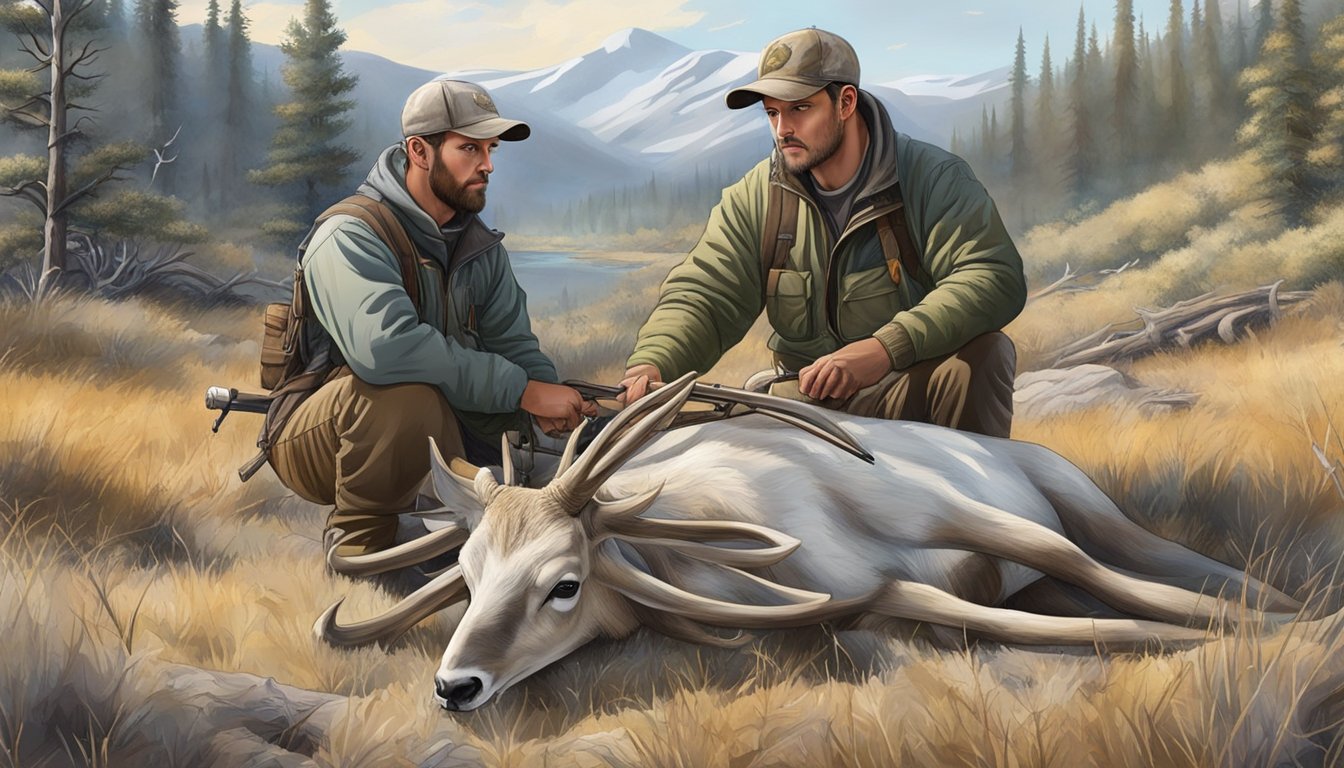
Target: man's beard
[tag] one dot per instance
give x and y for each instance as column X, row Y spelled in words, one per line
column 813, row 157
column 454, row 195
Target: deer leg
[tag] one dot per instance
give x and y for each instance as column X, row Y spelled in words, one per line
column 973, row 525
column 921, row 602
column 1098, row 526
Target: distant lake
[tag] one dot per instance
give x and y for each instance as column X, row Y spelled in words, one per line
column 547, row 276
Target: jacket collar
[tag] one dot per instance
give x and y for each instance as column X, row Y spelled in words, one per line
column 387, row 182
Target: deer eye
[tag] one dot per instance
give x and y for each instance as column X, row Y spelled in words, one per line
column 565, row 590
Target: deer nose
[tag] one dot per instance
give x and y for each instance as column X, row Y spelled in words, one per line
column 456, row 694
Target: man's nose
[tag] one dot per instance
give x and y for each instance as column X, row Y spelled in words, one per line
column 487, row 164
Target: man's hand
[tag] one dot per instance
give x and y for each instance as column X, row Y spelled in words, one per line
column 556, row 407
column 845, row 371
column 638, row 381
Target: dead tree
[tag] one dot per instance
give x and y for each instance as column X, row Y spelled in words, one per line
column 51, row 109
column 1181, row 325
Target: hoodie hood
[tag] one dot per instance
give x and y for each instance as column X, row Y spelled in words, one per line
column 387, row 182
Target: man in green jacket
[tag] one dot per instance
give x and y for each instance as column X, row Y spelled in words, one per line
column 462, row 365
column 888, row 294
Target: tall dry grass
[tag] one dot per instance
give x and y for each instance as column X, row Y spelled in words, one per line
column 127, row 540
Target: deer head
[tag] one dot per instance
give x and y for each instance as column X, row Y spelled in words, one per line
column 548, row 569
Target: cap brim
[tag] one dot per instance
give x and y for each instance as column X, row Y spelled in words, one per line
column 774, row 88
column 491, row 127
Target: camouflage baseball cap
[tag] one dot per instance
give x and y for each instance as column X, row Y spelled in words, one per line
column 458, row 106
column 798, row 65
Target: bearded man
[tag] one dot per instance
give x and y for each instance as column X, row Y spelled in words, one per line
column 457, row 362
column 881, row 261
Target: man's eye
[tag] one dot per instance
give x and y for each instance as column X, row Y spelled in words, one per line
column 564, row 591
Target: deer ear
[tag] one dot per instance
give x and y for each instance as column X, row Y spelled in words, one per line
column 461, row 488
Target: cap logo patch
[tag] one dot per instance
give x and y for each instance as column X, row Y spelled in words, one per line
column 483, row 101
column 775, row 57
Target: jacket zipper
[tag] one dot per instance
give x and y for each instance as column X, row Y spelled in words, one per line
column 870, row 214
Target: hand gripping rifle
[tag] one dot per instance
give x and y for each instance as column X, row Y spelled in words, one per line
column 724, row 402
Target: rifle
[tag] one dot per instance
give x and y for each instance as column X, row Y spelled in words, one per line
column 725, row 402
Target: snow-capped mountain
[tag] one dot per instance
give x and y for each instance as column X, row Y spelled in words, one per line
column 638, row 104
column 954, row 87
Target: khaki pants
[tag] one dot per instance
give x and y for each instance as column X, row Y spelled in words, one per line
column 970, row 389
column 364, row 449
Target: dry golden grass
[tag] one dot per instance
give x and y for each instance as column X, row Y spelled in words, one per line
column 126, row 539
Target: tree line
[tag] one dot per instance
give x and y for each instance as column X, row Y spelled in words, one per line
column 1115, row 119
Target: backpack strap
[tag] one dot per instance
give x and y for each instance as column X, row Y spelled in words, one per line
column 898, row 248
column 781, row 224
column 379, row 217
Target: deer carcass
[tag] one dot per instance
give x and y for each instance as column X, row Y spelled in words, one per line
column 747, row 523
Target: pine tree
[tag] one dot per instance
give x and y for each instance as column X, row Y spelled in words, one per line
column 1178, row 88
column 1020, row 156
column 1080, row 164
column 1327, row 155
column 1264, row 24
column 156, row 23
column 238, row 105
column 1215, row 80
column 1126, row 80
column 1281, row 128
column 213, row 37
column 62, row 184
column 986, row 140
column 1239, row 41
column 1045, row 104
column 306, row 149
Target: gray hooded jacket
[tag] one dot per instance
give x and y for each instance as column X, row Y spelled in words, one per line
column 471, row 337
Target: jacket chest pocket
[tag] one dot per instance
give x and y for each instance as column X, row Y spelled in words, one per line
column 788, row 303
column 868, row 300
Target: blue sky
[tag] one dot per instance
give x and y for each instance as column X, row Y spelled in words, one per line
column 894, row 39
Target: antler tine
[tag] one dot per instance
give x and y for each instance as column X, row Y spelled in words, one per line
column 620, row 440
column 571, row 448
column 412, row 552
column 443, row 591
column 510, row 477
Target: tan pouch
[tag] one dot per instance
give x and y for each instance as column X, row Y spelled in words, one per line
column 274, row 340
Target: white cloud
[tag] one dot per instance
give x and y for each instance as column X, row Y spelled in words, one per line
column 522, row 34
column 896, row 46
column 266, row 21
column 729, row 25
column 973, row 13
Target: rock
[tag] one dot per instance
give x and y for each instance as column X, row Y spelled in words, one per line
column 1053, row 391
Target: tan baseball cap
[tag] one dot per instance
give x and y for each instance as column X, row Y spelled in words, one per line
column 798, row 65
column 458, row 106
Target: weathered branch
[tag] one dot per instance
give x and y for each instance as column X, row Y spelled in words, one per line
column 33, row 116
column 69, row 17
column 85, row 56
column 1069, row 276
column 34, row 192
column 123, row 270
column 1182, row 325
column 74, row 197
column 41, row 54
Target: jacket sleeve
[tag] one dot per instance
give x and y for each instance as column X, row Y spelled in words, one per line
column 977, row 272
column 354, row 283
column 506, row 328
column 709, row 301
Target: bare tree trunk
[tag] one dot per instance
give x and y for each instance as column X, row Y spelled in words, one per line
column 54, row 230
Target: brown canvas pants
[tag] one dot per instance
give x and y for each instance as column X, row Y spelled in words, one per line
column 364, row 449
column 970, row 389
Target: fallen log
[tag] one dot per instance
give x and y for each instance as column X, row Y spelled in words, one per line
column 1183, row 324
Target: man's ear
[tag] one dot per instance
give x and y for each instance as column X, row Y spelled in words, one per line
column 849, row 100
column 417, row 152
